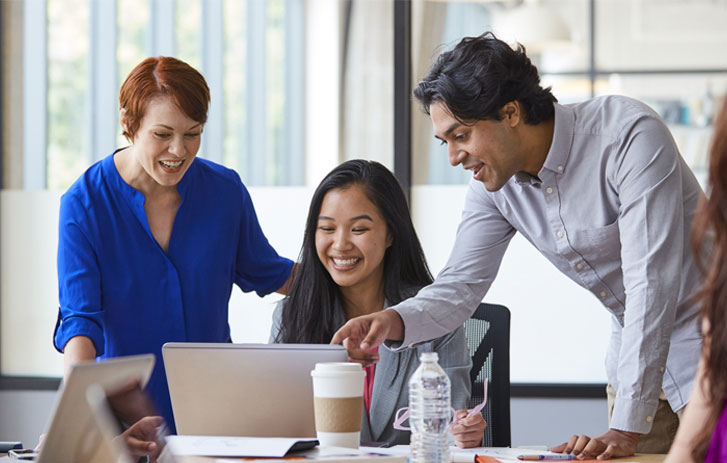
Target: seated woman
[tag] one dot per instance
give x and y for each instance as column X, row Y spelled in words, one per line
column 360, row 250
column 702, row 434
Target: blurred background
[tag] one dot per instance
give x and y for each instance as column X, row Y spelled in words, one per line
column 298, row 86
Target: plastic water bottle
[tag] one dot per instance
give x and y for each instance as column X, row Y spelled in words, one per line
column 429, row 411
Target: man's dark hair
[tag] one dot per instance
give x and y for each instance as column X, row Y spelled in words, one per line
column 479, row 76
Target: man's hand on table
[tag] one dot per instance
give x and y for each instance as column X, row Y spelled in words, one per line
column 613, row 443
column 361, row 336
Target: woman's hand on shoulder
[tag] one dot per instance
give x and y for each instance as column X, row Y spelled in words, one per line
column 468, row 432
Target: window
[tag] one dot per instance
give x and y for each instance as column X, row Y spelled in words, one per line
column 585, row 48
column 75, row 54
column 250, row 53
column 282, row 114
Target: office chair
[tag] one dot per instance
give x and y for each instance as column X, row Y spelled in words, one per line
column 488, row 340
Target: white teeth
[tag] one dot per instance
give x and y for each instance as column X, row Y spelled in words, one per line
column 345, row 262
column 171, row 164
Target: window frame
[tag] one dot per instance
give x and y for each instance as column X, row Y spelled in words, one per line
column 101, row 93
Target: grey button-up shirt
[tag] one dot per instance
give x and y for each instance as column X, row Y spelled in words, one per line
column 612, row 209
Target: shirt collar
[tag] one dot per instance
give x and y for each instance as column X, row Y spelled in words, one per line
column 119, row 184
column 563, row 130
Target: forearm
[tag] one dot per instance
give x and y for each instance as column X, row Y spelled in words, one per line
column 657, row 196
column 78, row 349
column 285, row 289
column 440, row 308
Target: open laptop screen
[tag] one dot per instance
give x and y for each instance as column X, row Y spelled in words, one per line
column 257, row 390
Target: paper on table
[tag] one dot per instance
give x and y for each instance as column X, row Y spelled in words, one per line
column 467, row 455
column 229, row 446
column 333, row 454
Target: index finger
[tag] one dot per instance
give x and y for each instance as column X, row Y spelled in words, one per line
column 356, row 354
column 559, row 448
column 343, row 332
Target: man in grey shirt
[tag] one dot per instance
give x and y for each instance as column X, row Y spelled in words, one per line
column 601, row 190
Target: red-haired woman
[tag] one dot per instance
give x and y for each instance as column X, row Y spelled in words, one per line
column 702, row 435
column 151, row 238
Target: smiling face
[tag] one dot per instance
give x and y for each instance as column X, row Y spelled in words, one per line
column 490, row 149
column 351, row 239
column 166, row 142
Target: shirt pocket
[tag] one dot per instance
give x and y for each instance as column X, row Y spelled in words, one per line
column 598, row 245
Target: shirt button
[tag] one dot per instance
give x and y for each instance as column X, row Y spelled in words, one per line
column 549, row 190
column 579, row 266
column 560, row 234
column 649, row 419
column 661, row 369
column 560, row 168
column 603, row 294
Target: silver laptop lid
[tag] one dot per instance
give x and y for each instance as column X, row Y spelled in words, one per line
column 258, row 390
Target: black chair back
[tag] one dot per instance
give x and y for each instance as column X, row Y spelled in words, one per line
column 488, row 340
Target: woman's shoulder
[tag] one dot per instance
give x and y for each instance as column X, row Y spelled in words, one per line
column 210, row 169
column 277, row 321
column 278, row 311
column 90, row 187
column 215, row 181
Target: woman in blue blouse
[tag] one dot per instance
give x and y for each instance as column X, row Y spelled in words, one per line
column 151, row 238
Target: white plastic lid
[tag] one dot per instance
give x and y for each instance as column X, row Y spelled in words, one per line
column 333, row 369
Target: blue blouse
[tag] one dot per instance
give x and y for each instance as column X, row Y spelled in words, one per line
column 119, row 288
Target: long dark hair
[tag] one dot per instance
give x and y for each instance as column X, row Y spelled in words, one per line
column 309, row 310
column 479, row 76
column 710, row 226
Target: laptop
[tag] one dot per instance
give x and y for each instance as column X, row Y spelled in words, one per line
column 72, row 433
column 255, row 390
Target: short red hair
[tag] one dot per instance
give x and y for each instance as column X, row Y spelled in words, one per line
column 162, row 76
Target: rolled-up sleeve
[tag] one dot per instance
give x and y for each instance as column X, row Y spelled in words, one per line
column 652, row 228
column 79, row 281
column 443, row 306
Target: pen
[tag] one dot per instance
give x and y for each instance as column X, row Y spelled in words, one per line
column 477, row 409
column 474, row 411
column 561, row 457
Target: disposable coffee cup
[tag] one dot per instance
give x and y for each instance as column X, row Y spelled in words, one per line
column 338, row 403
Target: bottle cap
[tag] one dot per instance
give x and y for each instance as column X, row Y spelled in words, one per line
column 429, row 357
